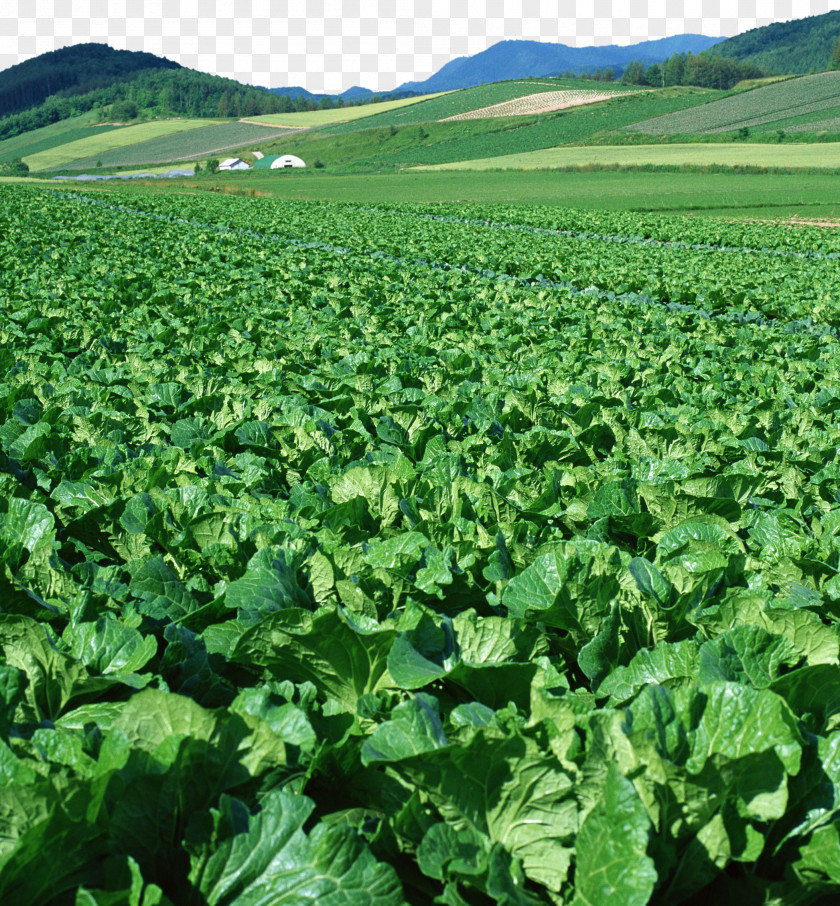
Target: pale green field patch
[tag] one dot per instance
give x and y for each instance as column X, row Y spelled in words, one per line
column 822, row 156
column 309, row 118
column 54, row 158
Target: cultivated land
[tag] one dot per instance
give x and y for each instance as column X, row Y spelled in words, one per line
column 47, row 137
column 195, row 144
column 546, row 102
column 461, row 552
column 815, row 156
column 718, row 192
column 59, row 156
column 772, row 106
column 336, row 115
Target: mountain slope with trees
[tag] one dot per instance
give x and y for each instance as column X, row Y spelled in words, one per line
column 799, row 46
column 71, row 71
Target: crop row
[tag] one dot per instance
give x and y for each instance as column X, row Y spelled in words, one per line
column 353, row 556
column 778, row 101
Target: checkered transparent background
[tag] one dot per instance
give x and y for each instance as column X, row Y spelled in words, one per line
column 330, row 45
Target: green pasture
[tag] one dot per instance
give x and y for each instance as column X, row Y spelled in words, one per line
column 724, row 194
column 308, row 118
column 788, row 156
column 96, row 145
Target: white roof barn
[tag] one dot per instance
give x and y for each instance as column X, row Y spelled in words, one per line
column 287, row 160
column 278, row 162
column 233, row 163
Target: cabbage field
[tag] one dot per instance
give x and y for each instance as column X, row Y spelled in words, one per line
column 370, row 555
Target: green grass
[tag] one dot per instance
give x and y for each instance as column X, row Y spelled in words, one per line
column 393, row 148
column 821, row 156
column 309, row 118
column 51, row 136
column 95, row 146
column 200, row 143
column 439, row 107
column 726, row 194
column 764, row 106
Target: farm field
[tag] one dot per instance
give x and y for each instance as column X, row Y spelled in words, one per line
column 814, row 156
column 199, row 143
column 547, row 102
column 51, row 136
column 309, row 118
column 95, row 146
column 392, row 146
column 385, row 554
column 758, row 109
column 454, row 103
column 724, row 193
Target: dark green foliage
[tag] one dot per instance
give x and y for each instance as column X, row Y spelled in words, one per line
column 73, row 70
column 14, row 167
column 372, row 555
column 124, row 110
column 834, row 62
column 798, row 46
column 703, row 70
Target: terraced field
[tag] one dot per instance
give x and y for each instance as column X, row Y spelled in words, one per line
column 95, row 146
column 761, row 107
column 197, row 144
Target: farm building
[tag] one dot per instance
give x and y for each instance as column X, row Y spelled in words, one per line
column 234, row 163
column 278, row 162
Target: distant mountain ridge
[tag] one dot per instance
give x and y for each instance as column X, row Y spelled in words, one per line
column 519, row 59
column 351, row 94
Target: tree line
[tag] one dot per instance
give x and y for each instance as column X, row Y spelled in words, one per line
column 182, row 92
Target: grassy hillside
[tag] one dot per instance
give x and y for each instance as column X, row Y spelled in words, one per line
column 803, row 45
column 52, row 136
column 393, row 147
column 771, row 156
column 96, row 145
column 762, row 108
column 440, row 107
column 197, row 144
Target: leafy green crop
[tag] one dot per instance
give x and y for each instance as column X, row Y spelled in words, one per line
column 395, row 555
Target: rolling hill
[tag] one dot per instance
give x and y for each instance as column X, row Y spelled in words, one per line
column 70, row 71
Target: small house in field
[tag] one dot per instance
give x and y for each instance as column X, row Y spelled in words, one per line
column 278, row 162
column 234, row 163
column 258, row 155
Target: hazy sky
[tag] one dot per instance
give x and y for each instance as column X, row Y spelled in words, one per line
column 330, row 45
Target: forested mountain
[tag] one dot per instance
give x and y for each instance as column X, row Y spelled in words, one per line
column 803, row 45
column 70, row 71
